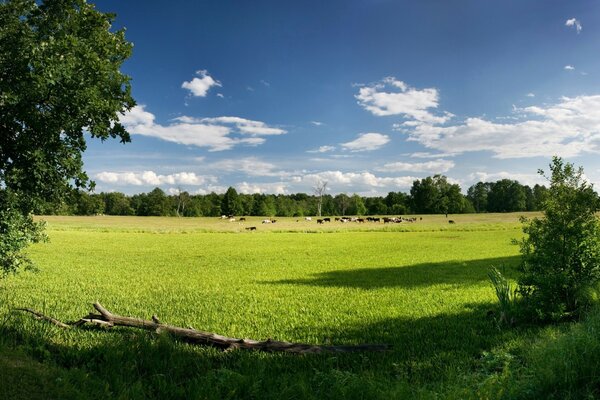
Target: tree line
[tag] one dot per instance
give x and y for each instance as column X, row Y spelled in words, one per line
column 431, row 195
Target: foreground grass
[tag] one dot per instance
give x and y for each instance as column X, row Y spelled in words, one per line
column 424, row 291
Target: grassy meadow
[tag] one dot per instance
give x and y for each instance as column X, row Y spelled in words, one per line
column 421, row 287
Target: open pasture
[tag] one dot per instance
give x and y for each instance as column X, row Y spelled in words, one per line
column 424, row 290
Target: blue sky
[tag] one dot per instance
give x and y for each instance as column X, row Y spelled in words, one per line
column 275, row 96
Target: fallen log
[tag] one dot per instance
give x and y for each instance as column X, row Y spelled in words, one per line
column 107, row 319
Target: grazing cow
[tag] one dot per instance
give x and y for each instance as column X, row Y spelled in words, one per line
column 319, row 221
column 326, row 219
column 337, row 219
column 231, row 219
column 266, row 221
column 273, row 221
column 251, row 228
column 307, row 218
column 360, row 220
column 242, row 219
column 451, row 221
column 223, row 216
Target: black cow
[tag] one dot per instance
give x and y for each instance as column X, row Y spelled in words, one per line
column 251, row 228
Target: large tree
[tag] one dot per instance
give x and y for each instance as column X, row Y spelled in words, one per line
column 60, row 81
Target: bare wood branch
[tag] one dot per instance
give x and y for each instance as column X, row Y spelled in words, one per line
column 108, row 319
column 39, row 315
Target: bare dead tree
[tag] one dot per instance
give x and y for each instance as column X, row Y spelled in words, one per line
column 319, row 190
column 106, row 319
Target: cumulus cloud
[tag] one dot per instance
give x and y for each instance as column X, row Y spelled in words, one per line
column 217, row 134
column 575, row 23
column 569, row 67
column 425, row 154
column 568, row 128
column 200, row 85
column 251, row 188
column 322, row 149
column 152, row 178
column 342, row 181
column 366, row 142
column 435, row 166
column 525, row 179
column 530, row 94
column 394, row 97
column 251, row 166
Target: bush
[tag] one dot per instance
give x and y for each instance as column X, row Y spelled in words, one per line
column 17, row 231
column 561, row 251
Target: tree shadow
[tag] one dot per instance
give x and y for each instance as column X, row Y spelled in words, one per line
column 126, row 363
column 412, row 276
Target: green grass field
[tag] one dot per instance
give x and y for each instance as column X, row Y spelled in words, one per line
column 421, row 287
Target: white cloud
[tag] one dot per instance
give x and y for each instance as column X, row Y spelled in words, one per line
column 530, row 94
column 366, row 142
column 266, row 83
column 574, row 22
column 251, row 166
column 220, row 95
column 436, row 166
column 251, row 188
column 322, row 149
column 342, row 181
column 316, row 123
column 247, row 126
column 569, row 67
column 424, row 154
column 199, row 86
column 568, row 128
column 152, row 178
column 220, row 133
column 524, row 179
column 400, row 99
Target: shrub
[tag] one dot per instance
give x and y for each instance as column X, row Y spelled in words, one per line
column 561, row 251
column 17, row 231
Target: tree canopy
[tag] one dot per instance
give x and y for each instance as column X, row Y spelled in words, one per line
column 60, row 81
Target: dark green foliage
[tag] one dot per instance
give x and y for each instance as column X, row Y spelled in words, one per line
column 59, row 78
column 506, row 195
column 231, row 204
column 561, row 252
column 17, row 231
column 435, row 195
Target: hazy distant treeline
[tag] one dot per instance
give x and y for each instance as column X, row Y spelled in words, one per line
column 431, row 195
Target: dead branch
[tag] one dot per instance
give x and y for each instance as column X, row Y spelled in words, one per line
column 108, row 320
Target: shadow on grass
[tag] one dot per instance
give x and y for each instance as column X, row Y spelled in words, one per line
column 428, row 353
column 125, row 363
column 428, row 274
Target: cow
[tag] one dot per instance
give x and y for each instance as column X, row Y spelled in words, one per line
column 326, row 219
column 319, row 221
column 307, row 218
column 242, row 219
column 266, row 221
column 451, row 221
column 251, row 228
column 273, row 221
column 232, row 219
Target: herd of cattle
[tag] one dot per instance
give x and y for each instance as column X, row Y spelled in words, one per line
column 385, row 220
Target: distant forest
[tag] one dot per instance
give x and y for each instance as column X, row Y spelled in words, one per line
column 431, row 195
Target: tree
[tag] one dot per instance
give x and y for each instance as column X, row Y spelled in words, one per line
column 435, row 195
column 319, row 190
column 506, row 195
column 231, row 204
column 342, row 202
column 357, row 205
column 59, row 77
column 478, row 196
column 561, row 251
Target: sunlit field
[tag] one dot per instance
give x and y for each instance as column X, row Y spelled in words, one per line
column 421, row 287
